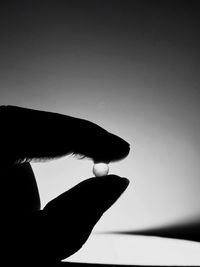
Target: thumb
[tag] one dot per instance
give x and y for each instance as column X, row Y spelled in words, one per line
column 70, row 218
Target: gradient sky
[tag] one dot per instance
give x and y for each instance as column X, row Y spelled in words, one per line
column 132, row 67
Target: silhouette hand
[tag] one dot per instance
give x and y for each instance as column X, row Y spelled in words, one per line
column 63, row 226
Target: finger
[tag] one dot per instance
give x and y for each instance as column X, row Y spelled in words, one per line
column 64, row 225
column 31, row 134
column 19, row 192
column 69, row 219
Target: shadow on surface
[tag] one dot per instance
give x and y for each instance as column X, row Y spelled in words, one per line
column 187, row 231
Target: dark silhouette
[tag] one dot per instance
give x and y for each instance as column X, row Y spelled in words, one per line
column 34, row 237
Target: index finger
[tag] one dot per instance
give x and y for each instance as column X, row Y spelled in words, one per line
column 28, row 134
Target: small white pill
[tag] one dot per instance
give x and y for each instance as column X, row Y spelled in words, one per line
column 100, row 169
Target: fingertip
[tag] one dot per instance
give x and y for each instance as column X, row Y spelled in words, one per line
column 113, row 181
column 110, row 148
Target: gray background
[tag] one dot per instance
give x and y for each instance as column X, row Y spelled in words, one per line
column 131, row 67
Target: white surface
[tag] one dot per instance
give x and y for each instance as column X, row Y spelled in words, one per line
column 124, row 249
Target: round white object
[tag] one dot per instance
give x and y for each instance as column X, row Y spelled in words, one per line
column 100, row 169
